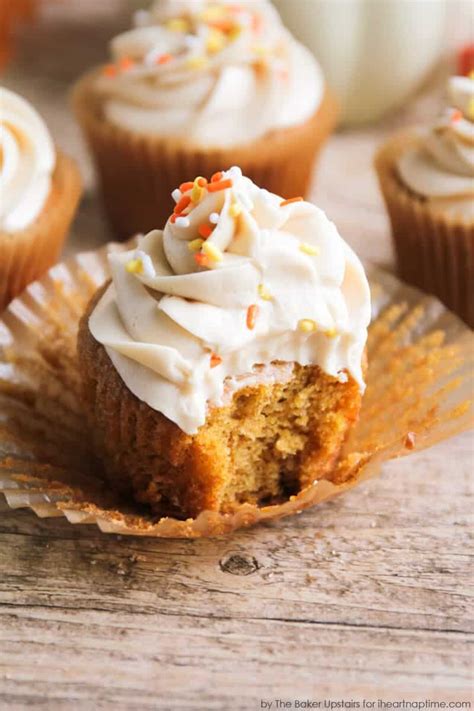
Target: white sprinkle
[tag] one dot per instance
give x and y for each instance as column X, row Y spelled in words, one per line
column 214, row 218
column 176, row 195
column 182, row 221
column 235, row 172
column 141, row 18
column 342, row 377
column 193, row 42
column 147, row 265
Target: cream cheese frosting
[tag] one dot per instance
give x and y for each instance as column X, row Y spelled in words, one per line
column 237, row 280
column 441, row 167
column 27, row 160
column 216, row 73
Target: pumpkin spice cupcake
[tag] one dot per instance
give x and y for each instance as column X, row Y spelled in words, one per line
column 427, row 181
column 195, row 86
column 40, row 189
column 224, row 363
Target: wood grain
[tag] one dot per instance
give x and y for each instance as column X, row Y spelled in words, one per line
column 366, row 596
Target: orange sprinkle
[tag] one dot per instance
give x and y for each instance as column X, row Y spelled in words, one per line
column 202, row 182
column 215, row 360
column 164, row 58
column 110, row 70
column 182, row 204
column 219, row 185
column 201, row 259
column 290, row 200
column 256, row 23
column 184, row 187
column 126, row 63
column 216, row 177
column 205, row 230
column 223, row 25
column 252, row 313
column 456, row 115
column 173, row 218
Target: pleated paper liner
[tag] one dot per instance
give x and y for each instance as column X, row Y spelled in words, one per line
column 435, row 251
column 137, row 173
column 418, row 393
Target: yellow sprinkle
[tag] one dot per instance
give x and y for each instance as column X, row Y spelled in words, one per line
column 197, row 62
column 260, row 50
column 470, row 109
column 235, row 209
column 134, row 266
column 331, row 333
column 264, row 293
column 177, row 25
column 216, row 41
column 307, row 325
column 197, row 193
column 308, row 248
column 213, row 252
column 195, row 245
column 234, row 33
column 212, row 14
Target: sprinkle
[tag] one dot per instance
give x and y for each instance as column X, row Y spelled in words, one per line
column 147, row 264
column 235, row 209
column 110, row 71
column 410, row 440
column 197, row 193
column 234, row 33
column 202, row 182
column 201, row 259
column 183, row 221
column 173, row 218
column 213, row 252
column 177, row 24
column 215, row 360
column 212, row 14
column 234, row 172
column 264, row 293
column 182, row 204
column 216, row 41
column 216, row 177
column 471, row 74
column 331, row 333
column 192, row 42
column 252, row 313
column 176, row 195
column 164, row 58
column 219, row 185
column 256, row 22
column 198, row 62
column 456, row 116
column 126, row 63
column 204, row 230
column 342, row 377
column 184, row 187
column 308, row 248
column 195, row 245
column 214, row 218
column 134, row 266
column 290, row 200
column 307, row 325
column 261, row 50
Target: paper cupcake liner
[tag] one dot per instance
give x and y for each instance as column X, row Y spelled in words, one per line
column 434, row 251
column 137, row 173
column 420, row 363
column 27, row 254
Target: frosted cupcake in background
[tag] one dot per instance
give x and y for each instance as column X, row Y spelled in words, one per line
column 39, row 192
column 427, row 180
column 195, row 86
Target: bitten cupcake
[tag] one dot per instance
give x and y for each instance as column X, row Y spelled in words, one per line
column 224, row 363
column 427, row 180
column 39, row 192
column 195, row 86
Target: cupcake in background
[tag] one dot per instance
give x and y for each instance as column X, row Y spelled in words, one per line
column 40, row 189
column 195, row 86
column 427, row 180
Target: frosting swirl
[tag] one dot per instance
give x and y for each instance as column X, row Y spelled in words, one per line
column 238, row 279
column 27, row 160
column 441, row 167
column 211, row 72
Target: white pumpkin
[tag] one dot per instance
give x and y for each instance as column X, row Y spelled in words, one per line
column 374, row 52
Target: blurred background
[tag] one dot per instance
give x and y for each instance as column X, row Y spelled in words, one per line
column 387, row 60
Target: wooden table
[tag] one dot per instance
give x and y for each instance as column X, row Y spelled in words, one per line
column 366, row 596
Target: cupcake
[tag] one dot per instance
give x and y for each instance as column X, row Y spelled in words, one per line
column 224, row 362
column 195, row 86
column 427, row 181
column 40, row 189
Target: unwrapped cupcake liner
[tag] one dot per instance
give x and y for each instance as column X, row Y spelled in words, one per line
column 419, row 392
column 435, row 251
column 28, row 253
column 137, row 173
